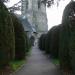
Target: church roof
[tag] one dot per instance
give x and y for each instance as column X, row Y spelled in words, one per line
column 27, row 26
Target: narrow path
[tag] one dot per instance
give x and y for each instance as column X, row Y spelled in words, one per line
column 38, row 64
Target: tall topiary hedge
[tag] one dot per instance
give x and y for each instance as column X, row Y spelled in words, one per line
column 20, row 38
column 67, row 39
column 48, row 40
column 22, row 43
column 7, row 45
column 41, row 42
column 14, row 42
column 27, row 43
column 53, row 42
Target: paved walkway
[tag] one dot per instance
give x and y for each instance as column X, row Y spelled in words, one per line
column 38, row 64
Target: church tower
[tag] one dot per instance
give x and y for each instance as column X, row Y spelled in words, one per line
column 35, row 11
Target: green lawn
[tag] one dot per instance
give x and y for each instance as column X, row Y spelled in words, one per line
column 16, row 64
column 55, row 61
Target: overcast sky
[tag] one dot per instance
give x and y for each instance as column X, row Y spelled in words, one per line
column 54, row 14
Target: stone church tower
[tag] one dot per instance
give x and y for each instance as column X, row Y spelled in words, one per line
column 35, row 12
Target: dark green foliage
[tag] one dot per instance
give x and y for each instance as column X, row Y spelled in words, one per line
column 21, row 41
column 14, row 43
column 48, row 41
column 27, row 43
column 42, row 42
column 52, row 43
column 7, row 45
column 64, row 48
column 67, row 39
column 61, row 39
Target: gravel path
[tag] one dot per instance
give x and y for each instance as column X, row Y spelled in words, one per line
column 38, row 64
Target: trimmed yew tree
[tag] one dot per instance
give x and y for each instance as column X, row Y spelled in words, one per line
column 52, row 42
column 7, row 45
column 67, row 39
column 20, row 38
column 41, row 42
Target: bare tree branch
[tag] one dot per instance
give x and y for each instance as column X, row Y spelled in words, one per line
column 4, row 0
column 15, row 7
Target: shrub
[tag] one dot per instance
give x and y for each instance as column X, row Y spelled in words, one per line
column 22, row 42
column 27, row 43
column 20, row 38
column 42, row 42
column 67, row 39
column 7, row 45
column 52, row 42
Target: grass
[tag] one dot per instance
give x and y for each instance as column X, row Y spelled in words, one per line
column 16, row 64
column 55, row 61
